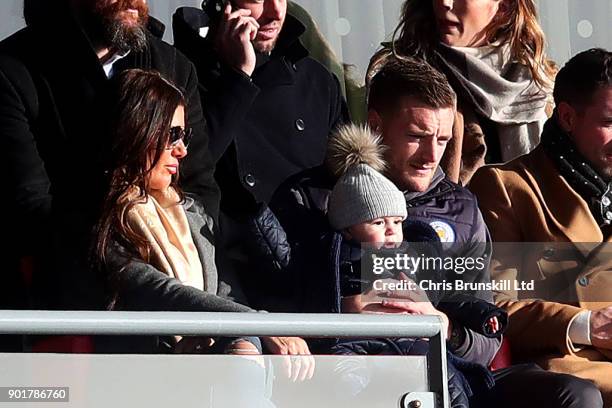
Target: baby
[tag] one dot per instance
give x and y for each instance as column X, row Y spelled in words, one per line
column 369, row 211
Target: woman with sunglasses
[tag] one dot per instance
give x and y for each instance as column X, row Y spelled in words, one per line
column 154, row 242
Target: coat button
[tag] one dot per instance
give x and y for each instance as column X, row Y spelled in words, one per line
column 605, row 201
column 294, row 67
column 299, row 125
column 249, row 180
column 584, row 281
column 548, row 253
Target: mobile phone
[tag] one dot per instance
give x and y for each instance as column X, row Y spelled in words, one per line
column 214, row 8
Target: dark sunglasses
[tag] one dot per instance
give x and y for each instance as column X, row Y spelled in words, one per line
column 177, row 134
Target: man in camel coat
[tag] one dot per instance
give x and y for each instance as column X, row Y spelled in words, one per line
column 557, row 202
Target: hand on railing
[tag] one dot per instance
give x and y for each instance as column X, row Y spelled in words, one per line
column 405, row 301
column 420, row 308
column 299, row 363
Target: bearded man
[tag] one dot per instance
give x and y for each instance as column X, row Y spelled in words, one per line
column 55, row 103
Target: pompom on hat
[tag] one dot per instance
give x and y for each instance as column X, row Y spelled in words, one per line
column 362, row 193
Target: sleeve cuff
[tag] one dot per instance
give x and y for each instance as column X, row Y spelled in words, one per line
column 460, row 340
column 579, row 330
column 236, row 75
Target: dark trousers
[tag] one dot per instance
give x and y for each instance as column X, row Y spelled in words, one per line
column 529, row 386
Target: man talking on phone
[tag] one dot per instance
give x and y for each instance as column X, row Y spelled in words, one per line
column 269, row 108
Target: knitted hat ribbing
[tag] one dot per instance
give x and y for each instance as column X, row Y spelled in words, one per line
column 361, row 193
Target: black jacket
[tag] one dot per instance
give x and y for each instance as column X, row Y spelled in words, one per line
column 300, row 206
column 313, row 274
column 55, row 103
column 450, row 209
column 264, row 128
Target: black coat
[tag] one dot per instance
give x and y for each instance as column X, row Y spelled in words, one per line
column 316, row 270
column 265, row 128
column 298, row 215
column 55, row 104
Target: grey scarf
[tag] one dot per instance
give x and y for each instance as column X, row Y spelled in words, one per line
column 499, row 89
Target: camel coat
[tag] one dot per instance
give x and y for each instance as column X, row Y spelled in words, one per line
column 568, row 258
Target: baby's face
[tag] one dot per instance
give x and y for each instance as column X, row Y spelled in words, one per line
column 385, row 231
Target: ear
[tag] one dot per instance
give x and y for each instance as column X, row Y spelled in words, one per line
column 503, row 11
column 566, row 115
column 375, row 121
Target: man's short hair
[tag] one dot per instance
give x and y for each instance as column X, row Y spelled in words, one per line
column 408, row 77
column 582, row 76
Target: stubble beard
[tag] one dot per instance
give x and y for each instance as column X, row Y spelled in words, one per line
column 265, row 47
column 605, row 169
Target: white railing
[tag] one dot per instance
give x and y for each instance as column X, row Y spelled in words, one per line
column 241, row 324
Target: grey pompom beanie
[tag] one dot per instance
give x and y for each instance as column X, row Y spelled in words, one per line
column 361, row 193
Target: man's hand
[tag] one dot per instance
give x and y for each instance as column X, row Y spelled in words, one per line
column 243, row 347
column 190, row 345
column 233, row 39
column 415, row 294
column 419, row 308
column 601, row 328
column 298, row 362
column 378, row 308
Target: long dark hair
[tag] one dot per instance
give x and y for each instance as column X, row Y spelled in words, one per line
column 140, row 131
column 516, row 23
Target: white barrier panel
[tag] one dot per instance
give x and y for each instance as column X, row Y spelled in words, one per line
column 186, row 381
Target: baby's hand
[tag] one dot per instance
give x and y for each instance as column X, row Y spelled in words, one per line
column 492, row 326
column 402, row 289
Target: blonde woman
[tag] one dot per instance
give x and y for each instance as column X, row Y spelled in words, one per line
column 492, row 52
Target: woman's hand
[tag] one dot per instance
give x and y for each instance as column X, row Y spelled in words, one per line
column 298, row 362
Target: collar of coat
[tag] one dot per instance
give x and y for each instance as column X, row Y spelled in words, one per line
column 288, row 43
column 577, row 171
column 568, row 211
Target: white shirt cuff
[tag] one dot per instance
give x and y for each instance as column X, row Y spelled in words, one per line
column 579, row 330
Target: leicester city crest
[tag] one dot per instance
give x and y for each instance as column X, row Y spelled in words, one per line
column 444, row 231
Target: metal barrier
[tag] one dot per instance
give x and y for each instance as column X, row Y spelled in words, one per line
column 244, row 324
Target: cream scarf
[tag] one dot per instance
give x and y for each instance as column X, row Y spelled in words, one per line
column 162, row 221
